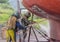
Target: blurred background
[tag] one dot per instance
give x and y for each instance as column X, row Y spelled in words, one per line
column 8, row 7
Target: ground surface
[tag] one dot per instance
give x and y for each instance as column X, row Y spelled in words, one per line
column 32, row 38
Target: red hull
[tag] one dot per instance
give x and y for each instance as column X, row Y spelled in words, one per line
column 52, row 7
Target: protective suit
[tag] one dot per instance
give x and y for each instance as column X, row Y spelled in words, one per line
column 10, row 31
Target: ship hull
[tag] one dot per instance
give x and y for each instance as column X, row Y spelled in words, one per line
column 49, row 9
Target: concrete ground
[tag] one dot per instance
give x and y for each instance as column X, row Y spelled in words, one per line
column 32, row 38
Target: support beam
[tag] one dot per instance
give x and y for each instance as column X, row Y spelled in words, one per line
column 18, row 7
column 55, row 30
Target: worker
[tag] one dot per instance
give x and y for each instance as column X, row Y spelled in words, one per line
column 10, row 32
column 17, row 26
